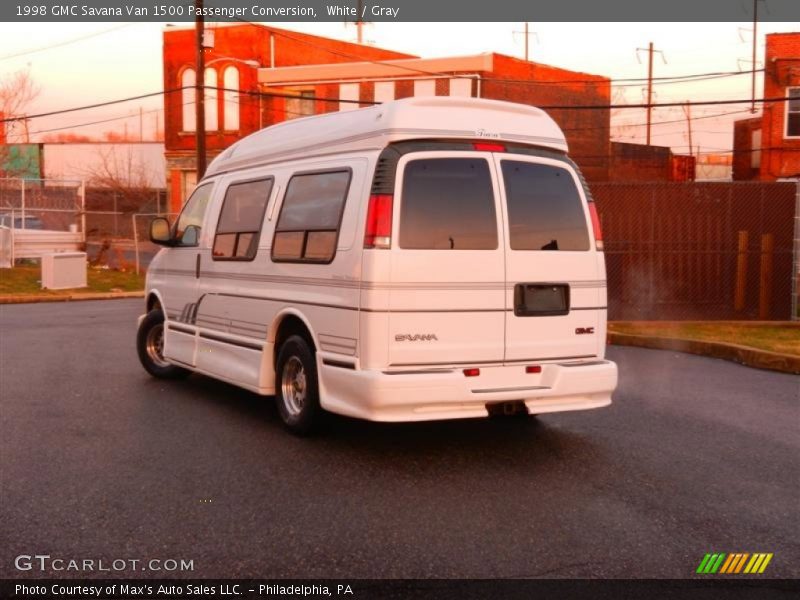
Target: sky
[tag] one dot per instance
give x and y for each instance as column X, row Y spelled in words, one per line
column 83, row 63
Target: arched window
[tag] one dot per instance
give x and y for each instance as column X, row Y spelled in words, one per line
column 212, row 112
column 187, row 100
column 230, row 81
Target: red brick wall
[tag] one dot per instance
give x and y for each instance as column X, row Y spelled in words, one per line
column 781, row 156
column 587, row 131
column 637, row 162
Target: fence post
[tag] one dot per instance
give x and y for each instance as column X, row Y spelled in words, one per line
column 741, row 272
column 22, row 202
column 765, row 292
column 135, row 242
column 83, row 209
column 796, row 262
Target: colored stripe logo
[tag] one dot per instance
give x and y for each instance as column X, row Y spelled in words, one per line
column 734, row 563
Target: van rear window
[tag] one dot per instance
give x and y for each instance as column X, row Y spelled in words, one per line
column 448, row 204
column 544, row 208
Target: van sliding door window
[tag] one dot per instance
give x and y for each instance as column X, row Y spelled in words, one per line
column 448, row 204
column 190, row 221
column 545, row 211
column 239, row 225
column 310, row 218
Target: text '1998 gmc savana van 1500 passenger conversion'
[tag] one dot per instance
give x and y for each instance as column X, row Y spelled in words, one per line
column 428, row 258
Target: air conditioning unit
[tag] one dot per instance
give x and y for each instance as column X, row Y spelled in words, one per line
column 64, row 270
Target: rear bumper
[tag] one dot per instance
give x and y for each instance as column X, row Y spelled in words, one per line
column 448, row 394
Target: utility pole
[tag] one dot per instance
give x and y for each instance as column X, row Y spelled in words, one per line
column 755, row 37
column 527, row 34
column 687, row 108
column 141, row 125
column 200, row 93
column 359, row 22
column 650, row 51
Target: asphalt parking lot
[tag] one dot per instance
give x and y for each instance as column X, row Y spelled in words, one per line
column 100, row 461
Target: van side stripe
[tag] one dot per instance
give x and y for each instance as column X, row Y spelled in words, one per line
column 369, row 285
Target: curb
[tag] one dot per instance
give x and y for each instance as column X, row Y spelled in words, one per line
column 751, row 357
column 69, row 297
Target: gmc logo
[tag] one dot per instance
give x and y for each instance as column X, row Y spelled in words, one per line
column 584, row 330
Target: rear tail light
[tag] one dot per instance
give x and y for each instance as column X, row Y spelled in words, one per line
column 598, row 232
column 379, row 222
column 488, row 147
column 473, row 372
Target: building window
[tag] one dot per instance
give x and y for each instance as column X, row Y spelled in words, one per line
column 308, row 226
column 793, row 113
column 461, row 87
column 187, row 100
column 212, row 114
column 230, row 81
column 424, row 87
column 384, row 91
column 347, row 93
column 239, row 226
column 302, row 105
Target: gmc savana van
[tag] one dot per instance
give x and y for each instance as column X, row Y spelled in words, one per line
column 428, row 258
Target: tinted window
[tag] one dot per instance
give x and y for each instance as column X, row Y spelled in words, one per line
column 544, row 208
column 448, row 204
column 308, row 225
column 239, row 226
column 187, row 229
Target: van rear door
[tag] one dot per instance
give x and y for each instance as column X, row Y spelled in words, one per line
column 555, row 281
column 447, row 284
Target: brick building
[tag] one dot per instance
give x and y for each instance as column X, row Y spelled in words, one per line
column 233, row 56
column 768, row 147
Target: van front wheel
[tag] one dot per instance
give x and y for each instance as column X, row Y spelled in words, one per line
column 298, row 390
column 150, row 347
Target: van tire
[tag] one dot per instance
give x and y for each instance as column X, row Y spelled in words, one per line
column 297, row 386
column 150, row 344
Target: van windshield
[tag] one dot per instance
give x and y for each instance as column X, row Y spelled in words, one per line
column 545, row 211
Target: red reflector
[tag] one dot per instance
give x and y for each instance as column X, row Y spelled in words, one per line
column 378, row 232
column 598, row 232
column 472, row 372
column 488, row 147
column 533, row 369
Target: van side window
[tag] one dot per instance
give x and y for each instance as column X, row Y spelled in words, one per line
column 239, row 225
column 308, row 225
column 544, row 208
column 190, row 221
column 448, row 204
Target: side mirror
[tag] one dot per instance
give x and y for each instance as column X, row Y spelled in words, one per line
column 160, row 232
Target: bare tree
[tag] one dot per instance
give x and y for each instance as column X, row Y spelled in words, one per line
column 17, row 91
column 118, row 168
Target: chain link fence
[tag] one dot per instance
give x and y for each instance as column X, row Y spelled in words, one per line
column 700, row 250
column 46, row 204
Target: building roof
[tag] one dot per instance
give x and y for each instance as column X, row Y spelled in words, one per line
column 374, row 127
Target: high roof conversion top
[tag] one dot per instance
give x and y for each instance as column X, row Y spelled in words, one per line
column 374, row 127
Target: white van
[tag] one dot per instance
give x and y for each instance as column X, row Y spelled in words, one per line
column 428, row 258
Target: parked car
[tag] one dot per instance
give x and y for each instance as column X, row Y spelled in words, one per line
column 428, row 258
column 16, row 221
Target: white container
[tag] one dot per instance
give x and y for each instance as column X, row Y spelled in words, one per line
column 64, row 270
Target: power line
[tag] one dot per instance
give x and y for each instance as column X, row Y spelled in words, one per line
column 64, row 43
column 603, row 81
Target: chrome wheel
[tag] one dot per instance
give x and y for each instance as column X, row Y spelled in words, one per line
column 154, row 345
column 293, row 386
